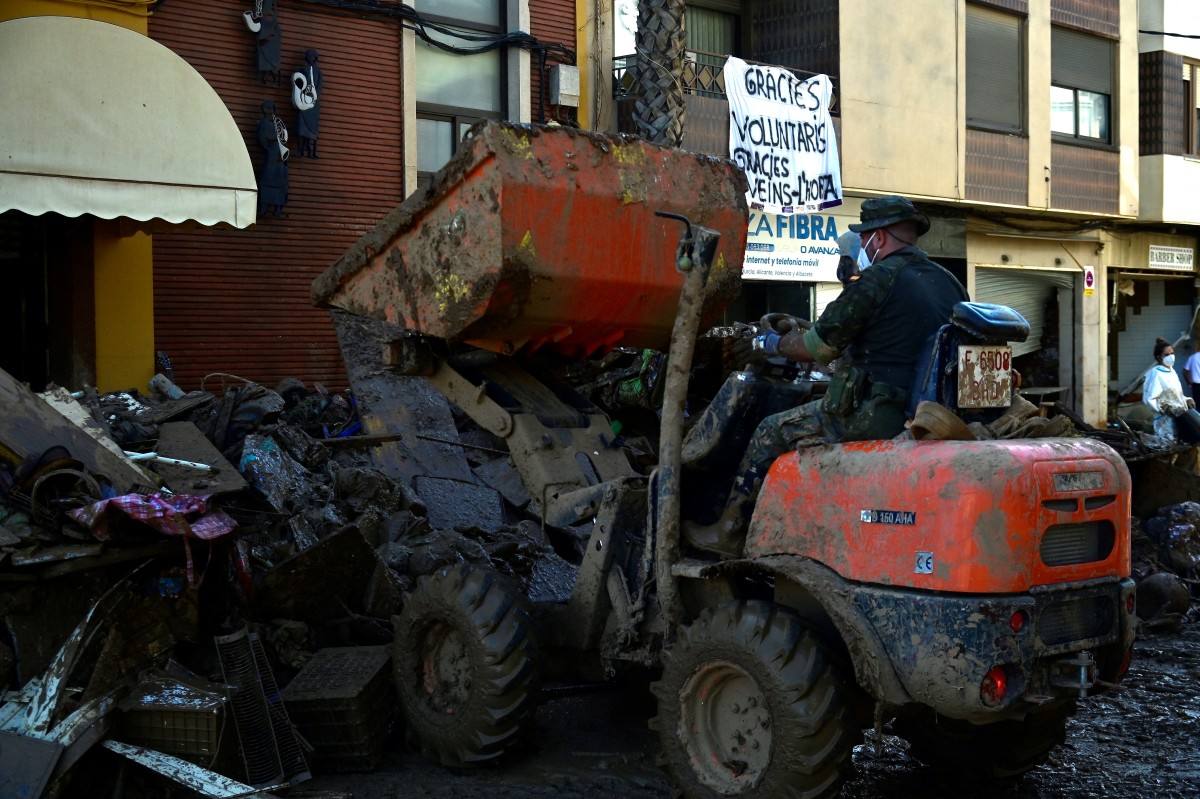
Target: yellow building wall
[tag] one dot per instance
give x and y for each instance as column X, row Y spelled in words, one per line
column 902, row 115
column 124, row 308
column 136, row 17
column 124, row 265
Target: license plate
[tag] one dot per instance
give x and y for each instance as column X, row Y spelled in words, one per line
column 984, row 376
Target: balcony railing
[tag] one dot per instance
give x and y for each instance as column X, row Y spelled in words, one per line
column 703, row 75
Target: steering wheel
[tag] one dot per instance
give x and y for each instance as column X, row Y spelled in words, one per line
column 783, row 323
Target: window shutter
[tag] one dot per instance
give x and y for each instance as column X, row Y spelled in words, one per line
column 1081, row 61
column 994, row 69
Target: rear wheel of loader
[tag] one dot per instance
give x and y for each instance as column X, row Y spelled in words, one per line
column 752, row 704
column 466, row 666
column 1003, row 750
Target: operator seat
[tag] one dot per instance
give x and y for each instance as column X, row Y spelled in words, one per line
column 936, row 378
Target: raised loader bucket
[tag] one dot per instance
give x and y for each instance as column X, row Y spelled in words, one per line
column 546, row 238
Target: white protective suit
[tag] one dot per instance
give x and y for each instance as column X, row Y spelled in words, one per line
column 1163, row 392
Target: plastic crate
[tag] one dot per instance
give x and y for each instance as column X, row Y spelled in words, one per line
column 174, row 717
column 344, row 706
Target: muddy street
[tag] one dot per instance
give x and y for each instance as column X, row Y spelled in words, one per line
column 1137, row 742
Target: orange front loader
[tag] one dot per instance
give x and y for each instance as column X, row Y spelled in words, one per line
column 969, row 593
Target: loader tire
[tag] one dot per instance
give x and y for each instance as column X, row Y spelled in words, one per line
column 752, row 704
column 1003, row 750
column 467, row 667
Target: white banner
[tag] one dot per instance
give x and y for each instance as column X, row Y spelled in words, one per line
column 781, row 135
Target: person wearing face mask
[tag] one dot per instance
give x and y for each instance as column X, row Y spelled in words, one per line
column 1163, row 392
column 875, row 329
column 852, row 258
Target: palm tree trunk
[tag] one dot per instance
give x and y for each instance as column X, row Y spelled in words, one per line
column 658, row 71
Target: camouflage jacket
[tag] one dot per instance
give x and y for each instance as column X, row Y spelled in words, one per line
column 883, row 319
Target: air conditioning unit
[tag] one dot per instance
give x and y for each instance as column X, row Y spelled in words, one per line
column 564, row 85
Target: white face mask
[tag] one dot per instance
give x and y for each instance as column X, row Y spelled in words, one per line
column 863, row 260
column 1169, row 360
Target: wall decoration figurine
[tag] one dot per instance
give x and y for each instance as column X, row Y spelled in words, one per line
column 307, row 84
column 273, row 178
column 254, row 16
column 263, row 22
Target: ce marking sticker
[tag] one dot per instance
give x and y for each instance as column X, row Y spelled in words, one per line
column 924, row 564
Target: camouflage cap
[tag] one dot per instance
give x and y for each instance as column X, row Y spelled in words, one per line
column 880, row 212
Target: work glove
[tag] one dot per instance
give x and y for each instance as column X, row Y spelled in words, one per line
column 1173, row 408
column 1191, row 403
column 754, row 348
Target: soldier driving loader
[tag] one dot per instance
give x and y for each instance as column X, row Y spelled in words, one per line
column 877, row 326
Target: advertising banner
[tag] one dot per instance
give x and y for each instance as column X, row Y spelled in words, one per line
column 800, row 247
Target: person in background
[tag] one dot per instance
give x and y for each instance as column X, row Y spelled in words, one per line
column 1163, row 392
column 852, row 258
column 1191, row 370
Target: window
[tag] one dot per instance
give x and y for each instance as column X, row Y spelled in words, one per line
column 1081, row 78
column 995, row 70
column 1191, row 122
column 455, row 91
column 711, row 38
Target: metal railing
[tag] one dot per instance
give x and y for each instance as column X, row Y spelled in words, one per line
column 703, row 75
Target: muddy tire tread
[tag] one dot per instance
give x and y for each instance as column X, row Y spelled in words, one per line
column 812, row 720
column 504, row 666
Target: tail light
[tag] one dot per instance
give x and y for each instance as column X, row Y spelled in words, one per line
column 994, row 686
column 1018, row 621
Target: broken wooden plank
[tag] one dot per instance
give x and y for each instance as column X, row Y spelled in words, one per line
column 184, row 441
column 173, row 409
column 36, row 555
column 29, row 425
column 361, row 441
column 200, row 780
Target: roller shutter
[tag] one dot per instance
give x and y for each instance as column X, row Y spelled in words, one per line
column 1025, row 290
column 238, row 301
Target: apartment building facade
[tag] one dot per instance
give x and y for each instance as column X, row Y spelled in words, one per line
column 1019, row 127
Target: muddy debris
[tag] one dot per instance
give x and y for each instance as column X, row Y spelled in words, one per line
column 138, row 529
column 286, row 520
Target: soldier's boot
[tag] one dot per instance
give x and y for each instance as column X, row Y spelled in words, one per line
column 727, row 535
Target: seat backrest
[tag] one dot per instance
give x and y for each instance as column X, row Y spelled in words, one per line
column 936, row 377
column 987, row 323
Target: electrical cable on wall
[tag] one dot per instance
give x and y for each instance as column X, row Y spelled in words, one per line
column 1168, row 33
column 408, row 17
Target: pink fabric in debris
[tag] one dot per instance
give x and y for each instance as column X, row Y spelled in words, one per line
column 167, row 514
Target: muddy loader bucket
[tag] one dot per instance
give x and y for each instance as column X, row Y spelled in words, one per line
column 546, row 238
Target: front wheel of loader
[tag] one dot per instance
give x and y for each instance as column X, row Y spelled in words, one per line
column 466, row 666
column 752, row 704
column 1003, row 750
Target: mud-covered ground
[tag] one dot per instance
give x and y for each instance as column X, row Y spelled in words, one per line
column 1142, row 741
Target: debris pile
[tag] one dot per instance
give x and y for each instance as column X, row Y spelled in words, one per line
column 167, row 556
